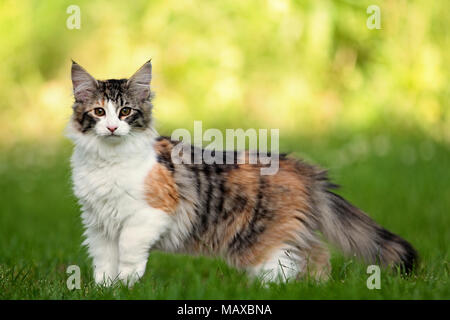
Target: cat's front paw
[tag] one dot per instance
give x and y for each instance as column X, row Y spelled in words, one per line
column 104, row 279
column 130, row 274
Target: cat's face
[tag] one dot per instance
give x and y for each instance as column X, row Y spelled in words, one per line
column 111, row 109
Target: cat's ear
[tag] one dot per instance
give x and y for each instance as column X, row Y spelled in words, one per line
column 139, row 83
column 84, row 85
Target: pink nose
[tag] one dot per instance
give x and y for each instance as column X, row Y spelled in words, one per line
column 112, row 129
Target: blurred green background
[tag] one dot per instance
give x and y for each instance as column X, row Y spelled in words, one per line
column 372, row 105
column 301, row 66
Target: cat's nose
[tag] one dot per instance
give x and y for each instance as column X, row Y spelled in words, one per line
column 112, row 128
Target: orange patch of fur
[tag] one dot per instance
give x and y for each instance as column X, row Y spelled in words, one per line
column 289, row 190
column 163, row 146
column 243, row 180
column 161, row 190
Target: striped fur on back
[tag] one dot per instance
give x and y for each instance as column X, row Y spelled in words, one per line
column 235, row 212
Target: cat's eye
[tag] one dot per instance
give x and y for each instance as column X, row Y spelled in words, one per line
column 99, row 112
column 125, row 111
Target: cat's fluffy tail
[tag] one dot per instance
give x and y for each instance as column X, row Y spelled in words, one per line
column 354, row 232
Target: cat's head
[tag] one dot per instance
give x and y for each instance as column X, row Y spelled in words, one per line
column 111, row 109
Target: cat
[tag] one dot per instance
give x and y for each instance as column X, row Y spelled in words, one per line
column 135, row 198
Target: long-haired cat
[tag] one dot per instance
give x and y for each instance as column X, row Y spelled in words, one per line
column 135, row 198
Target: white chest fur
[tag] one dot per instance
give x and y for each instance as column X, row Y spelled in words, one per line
column 109, row 181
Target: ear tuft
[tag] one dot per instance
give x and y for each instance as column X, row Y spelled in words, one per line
column 139, row 83
column 84, row 85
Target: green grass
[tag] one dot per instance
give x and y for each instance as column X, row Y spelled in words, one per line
column 401, row 180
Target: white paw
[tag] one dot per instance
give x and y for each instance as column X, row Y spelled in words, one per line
column 130, row 274
column 104, row 279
